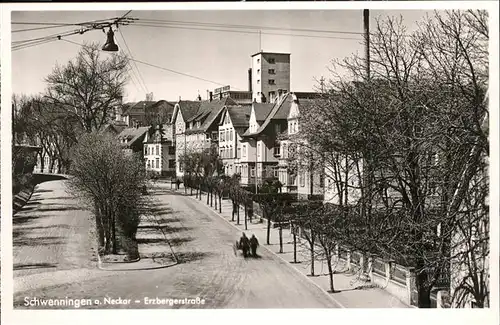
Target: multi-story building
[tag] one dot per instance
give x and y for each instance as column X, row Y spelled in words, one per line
column 248, row 160
column 159, row 151
column 145, row 113
column 197, row 125
column 184, row 110
column 265, row 139
column 131, row 139
column 233, row 123
column 300, row 176
column 269, row 73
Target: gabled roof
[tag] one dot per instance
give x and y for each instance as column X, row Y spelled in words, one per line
column 262, row 110
column 283, row 109
column 189, row 108
column 208, row 113
column 240, row 115
column 133, row 134
column 137, row 108
column 279, row 112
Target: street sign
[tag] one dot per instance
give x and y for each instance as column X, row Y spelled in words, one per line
column 221, row 90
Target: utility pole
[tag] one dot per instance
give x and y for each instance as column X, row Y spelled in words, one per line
column 366, row 200
column 366, row 25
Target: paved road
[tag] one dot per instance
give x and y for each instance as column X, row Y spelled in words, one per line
column 209, row 268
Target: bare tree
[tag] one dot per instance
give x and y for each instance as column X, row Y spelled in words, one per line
column 88, row 88
column 418, row 127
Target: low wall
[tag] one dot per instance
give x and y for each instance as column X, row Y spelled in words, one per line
column 396, row 279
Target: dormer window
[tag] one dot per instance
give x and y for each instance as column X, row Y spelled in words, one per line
column 271, row 60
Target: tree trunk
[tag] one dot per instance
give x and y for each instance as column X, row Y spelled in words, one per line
column 113, row 233
column 281, row 238
column 220, row 203
column 246, row 217
column 238, row 213
column 312, row 253
column 424, row 290
column 232, row 212
column 208, row 197
column 216, row 201
column 211, row 198
column 268, row 228
column 294, row 247
column 330, row 271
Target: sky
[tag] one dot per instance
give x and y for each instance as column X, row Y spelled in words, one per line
column 219, row 56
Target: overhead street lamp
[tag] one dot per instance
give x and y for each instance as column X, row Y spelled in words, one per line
column 110, row 45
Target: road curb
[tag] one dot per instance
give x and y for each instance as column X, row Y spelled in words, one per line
column 100, row 266
column 281, row 259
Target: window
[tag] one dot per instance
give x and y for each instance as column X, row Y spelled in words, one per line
column 277, row 128
column 285, row 152
column 275, row 172
column 244, row 150
column 258, row 150
column 230, row 152
column 145, row 149
column 171, row 163
column 258, row 81
column 227, row 135
column 271, row 82
column 221, row 153
column 276, row 150
column 157, row 162
column 239, row 153
column 302, row 179
column 271, row 60
column 271, row 71
column 171, row 150
column 180, row 168
column 252, row 172
column 157, row 150
column 258, row 71
column 231, row 135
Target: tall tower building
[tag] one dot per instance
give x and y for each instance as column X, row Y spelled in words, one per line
column 270, row 72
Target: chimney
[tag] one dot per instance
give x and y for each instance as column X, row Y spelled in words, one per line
column 220, row 95
column 210, row 96
column 250, row 80
column 199, row 97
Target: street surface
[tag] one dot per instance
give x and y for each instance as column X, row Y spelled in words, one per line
column 53, row 251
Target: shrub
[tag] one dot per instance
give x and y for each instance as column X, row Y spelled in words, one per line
column 112, row 182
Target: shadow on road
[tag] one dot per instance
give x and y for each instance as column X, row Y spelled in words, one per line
column 180, row 240
column 159, row 222
column 33, row 266
column 19, row 220
column 51, row 240
column 150, row 240
column 163, row 209
column 186, row 257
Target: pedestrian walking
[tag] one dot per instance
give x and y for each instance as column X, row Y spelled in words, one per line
column 178, row 182
column 254, row 243
column 244, row 244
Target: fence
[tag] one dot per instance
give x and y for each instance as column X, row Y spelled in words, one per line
column 396, row 279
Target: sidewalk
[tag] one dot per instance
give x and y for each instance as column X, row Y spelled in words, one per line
column 350, row 295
